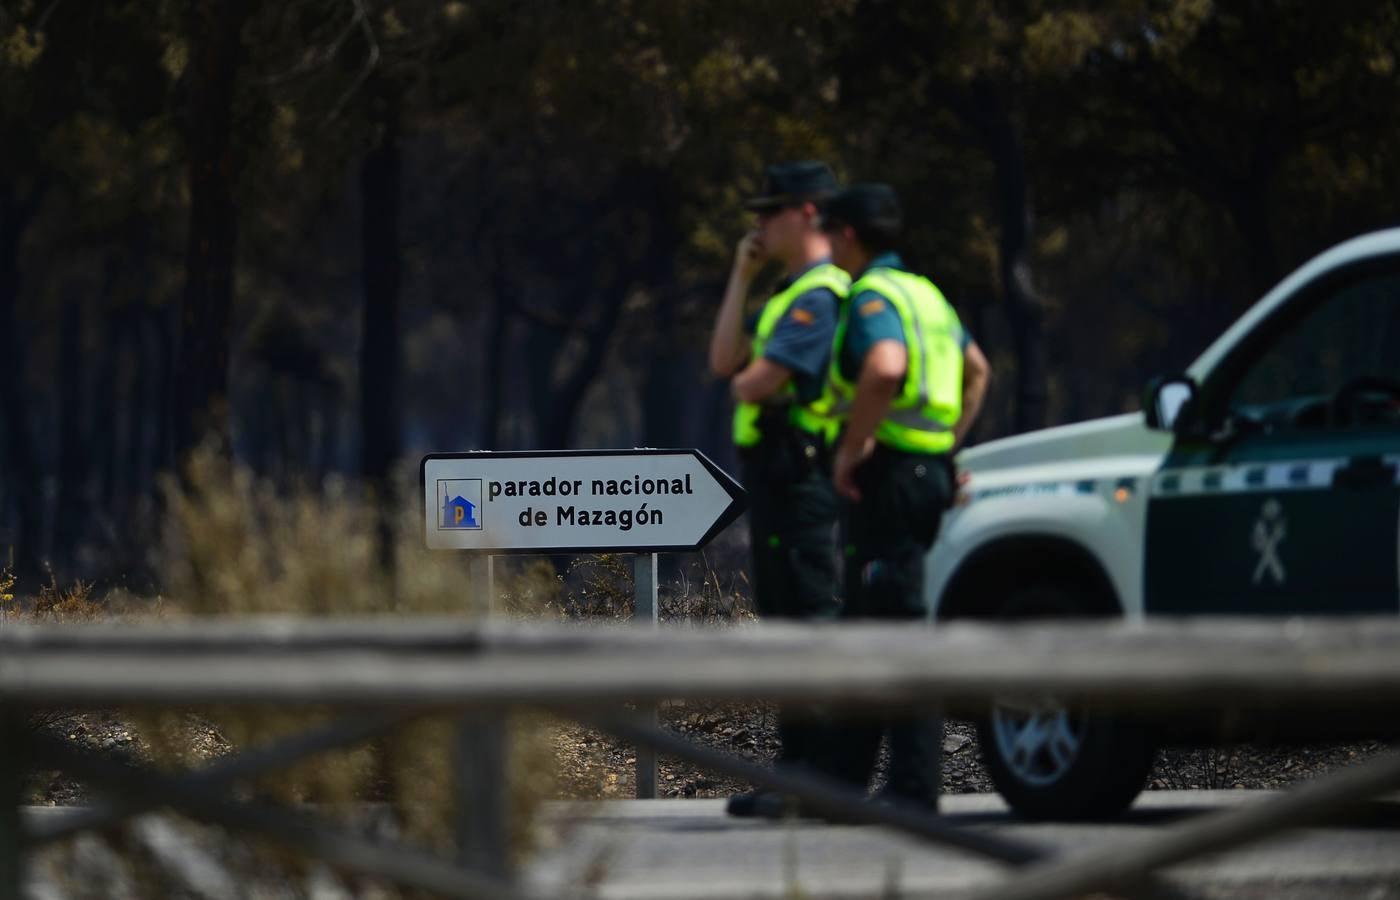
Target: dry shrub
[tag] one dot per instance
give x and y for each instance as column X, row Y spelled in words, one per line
column 61, row 605
column 700, row 594
column 528, row 588
column 234, row 545
column 76, row 603
column 606, row 588
column 603, row 588
column 9, row 608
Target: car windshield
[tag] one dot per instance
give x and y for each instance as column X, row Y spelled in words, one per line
column 1340, row 362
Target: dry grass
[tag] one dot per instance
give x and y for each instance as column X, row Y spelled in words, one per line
column 235, row 546
column 57, row 603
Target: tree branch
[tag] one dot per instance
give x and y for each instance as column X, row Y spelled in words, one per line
column 371, row 59
column 318, row 59
column 48, row 11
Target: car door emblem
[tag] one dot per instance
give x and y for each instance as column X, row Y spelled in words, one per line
column 1269, row 531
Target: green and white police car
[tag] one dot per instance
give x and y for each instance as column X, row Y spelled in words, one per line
column 1263, row 481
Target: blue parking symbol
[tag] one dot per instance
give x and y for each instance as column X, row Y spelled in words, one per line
column 459, row 504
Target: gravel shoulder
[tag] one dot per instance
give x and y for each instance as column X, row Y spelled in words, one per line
column 594, row 766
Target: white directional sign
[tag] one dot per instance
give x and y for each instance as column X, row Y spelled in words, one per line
column 589, row 500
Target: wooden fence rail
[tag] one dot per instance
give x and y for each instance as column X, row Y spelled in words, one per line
column 1192, row 664
column 382, row 672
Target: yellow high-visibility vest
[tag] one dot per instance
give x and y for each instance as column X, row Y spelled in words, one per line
column 810, row 417
column 921, row 418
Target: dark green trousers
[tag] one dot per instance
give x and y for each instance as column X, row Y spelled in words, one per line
column 886, row 537
column 792, row 523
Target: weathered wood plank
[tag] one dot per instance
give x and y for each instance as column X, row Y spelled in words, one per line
column 12, row 766
column 482, row 777
column 435, row 633
column 1353, row 664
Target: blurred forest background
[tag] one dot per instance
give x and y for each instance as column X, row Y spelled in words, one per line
column 337, row 234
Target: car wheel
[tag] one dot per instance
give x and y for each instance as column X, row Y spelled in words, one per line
column 1053, row 761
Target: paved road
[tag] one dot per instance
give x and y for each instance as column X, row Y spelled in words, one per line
column 689, row 850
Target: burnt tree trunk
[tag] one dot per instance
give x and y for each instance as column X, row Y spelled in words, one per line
column 557, row 430
column 1247, row 201
column 102, row 424
column 988, row 113
column 143, row 386
column 651, row 265
column 380, row 176
column 380, row 184
column 73, row 452
column 167, row 326
column 669, row 400
column 21, row 466
column 497, row 332
column 213, row 30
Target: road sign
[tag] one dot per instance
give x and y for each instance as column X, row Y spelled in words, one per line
column 634, row 501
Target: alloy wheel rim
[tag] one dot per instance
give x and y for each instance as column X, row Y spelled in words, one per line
column 1039, row 742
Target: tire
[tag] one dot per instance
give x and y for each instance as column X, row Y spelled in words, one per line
column 1049, row 761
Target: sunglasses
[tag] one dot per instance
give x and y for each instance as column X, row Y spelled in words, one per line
column 771, row 211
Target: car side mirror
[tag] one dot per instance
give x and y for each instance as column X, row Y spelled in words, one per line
column 1165, row 399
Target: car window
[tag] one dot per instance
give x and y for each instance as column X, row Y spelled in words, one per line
column 1353, row 334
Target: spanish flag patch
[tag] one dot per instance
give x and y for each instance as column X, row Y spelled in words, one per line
column 871, row 307
column 803, row 316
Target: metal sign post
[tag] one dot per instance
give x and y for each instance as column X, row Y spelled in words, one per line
column 482, row 763
column 646, row 614
column 483, row 583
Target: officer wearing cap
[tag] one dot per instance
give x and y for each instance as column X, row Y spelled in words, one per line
column 777, row 366
column 905, row 383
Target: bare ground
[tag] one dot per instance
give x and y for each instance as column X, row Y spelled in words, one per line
column 592, row 765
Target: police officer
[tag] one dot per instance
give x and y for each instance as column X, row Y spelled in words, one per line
column 777, row 365
column 905, row 384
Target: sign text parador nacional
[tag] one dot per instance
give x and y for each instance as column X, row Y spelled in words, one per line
column 587, row 500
